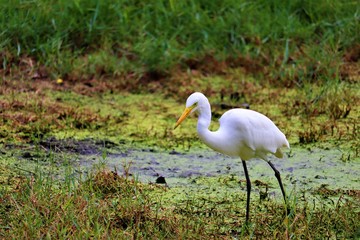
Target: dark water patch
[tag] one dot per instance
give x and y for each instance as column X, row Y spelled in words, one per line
column 82, row 147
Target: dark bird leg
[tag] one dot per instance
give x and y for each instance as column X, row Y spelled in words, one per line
column 248, row 188
column 277, row 175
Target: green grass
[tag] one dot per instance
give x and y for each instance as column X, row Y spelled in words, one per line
column 85, row 38
column 106, row 205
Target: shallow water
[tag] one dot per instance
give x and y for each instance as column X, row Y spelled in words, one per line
column 301, row 168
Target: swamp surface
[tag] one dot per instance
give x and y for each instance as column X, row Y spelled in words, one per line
column 83, row 128
column 65, row 130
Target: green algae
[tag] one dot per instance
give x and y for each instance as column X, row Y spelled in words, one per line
column 144, row 118
column 147, row 119
column 303, row 169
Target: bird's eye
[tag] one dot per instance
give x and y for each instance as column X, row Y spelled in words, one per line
column 194, row 106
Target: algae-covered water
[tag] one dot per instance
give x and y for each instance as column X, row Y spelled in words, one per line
column 303, row 169
column 146, row 121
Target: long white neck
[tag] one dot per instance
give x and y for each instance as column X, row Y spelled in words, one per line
column 204, row 120
column 208, row 137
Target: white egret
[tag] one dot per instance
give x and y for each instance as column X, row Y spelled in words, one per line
column 242, row 133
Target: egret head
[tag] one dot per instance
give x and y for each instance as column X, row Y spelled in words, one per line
column 195, row 102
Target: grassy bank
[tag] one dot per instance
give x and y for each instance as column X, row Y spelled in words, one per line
column 290, row 41
column 105, row 205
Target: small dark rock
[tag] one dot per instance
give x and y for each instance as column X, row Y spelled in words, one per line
column 161, row 180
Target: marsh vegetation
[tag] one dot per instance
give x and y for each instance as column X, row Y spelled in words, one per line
column 90, row 91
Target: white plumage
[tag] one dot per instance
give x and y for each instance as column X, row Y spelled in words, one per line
column 242, row 133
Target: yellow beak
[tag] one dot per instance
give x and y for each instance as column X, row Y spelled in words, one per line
column 186, row 113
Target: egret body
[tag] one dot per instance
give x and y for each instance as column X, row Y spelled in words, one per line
column 242, row 133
